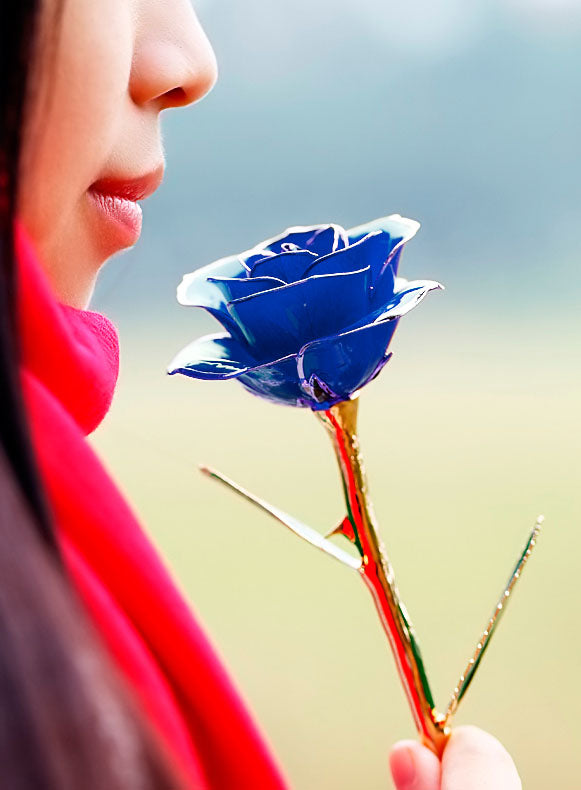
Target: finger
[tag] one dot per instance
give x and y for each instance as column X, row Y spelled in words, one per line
column 414, row 767
column 475, row 760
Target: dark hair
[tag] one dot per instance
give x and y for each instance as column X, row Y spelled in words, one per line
column 66, row 718
column 16, row 36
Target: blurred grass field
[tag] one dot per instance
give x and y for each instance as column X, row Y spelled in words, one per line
column 468, row 435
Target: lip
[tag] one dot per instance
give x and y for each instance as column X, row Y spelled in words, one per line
column 117, row 198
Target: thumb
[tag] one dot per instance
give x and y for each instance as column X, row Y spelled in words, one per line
column 475, row 760
column 414, row 767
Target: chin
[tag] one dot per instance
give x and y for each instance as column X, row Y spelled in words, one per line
column 73, row 274
column 73, row 256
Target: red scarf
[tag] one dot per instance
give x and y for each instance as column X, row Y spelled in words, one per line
column 70, row 364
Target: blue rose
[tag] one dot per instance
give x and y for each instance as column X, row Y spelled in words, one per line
column 309, row 314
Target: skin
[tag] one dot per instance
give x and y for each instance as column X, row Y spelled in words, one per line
column 98, row 89
column 472, row 760
column 99, row 86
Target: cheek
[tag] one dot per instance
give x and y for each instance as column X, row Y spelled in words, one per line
column 80, row 98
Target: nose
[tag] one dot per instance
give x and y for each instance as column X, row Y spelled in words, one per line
column 173, row 63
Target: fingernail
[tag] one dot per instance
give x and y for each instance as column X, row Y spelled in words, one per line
column 403, row 768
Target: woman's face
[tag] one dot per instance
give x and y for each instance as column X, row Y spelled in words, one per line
column 92, row 147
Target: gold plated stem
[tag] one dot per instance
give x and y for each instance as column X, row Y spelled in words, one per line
column 341, row 424
column 360, row 527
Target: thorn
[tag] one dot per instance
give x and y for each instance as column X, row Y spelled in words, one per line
column 344, row 528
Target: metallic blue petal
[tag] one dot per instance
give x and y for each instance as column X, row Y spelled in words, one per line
column 342, row 301
column 195, row 290
column 408, row 295
column 383, row 289
column 372, row 250
column 288, row 266
column 320, row 239
column 219, row 357
column 394, row 225
column 334, row 368
column 327, row 240
column 216, row 356
column 280, row 321
column 251, row 257
column 188, row 292
column 399, row 230
column 276, row 381
column 236, row 288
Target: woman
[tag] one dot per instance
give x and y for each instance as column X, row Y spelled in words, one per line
column 105, row 679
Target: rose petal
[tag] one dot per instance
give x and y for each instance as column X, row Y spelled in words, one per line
column 234, row 288
column 195, row 290
column 327, row 240
column 394, row 225
column 344, row 363
column 216, row 356
column 383, row 289
column 276, row 381
column 409, row 295
column 372, row 251
column 288, row 266
column 399, row 230
column 188, row 292
column 250, row 258
column 280, row 321
column 321, row 239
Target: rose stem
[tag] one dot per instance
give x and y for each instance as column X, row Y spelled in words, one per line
column 341, row 423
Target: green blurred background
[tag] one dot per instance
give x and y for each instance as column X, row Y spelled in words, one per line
column 466, row 117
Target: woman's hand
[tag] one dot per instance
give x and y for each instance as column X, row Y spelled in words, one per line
column 472, row 760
